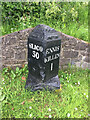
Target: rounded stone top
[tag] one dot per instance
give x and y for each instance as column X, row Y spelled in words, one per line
column 44, row 33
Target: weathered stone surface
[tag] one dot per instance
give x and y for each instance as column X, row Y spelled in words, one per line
column 87, row 59
column 85, row 53
column 72, row 42
column 70, row 54
column 0, row 52
column 81, row 46
column 64, row 61
column 12, row 62
column 0, row 66
column 0, row 49
column 8, row 53
column 3, row 40
column 65, row 37
column 0, row 60
column 68, row 47
column 23, row 34
column 88, row 48
column 78, row 64
column 19, row 48
column 17, row 41
column 69, row 42
column 12, row 66
column 44, row 45
column 74, row 60
column 0, row 56
column 20, row 55
column 10, row 40
column 23, row 44
column 85, row 65
column 64, row 43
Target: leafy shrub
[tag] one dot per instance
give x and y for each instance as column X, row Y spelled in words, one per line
column 65, row 12
column 55, row 14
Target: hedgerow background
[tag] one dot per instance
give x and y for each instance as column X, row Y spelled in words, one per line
column 68, row 17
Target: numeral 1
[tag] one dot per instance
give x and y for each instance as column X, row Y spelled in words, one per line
column 51, row 66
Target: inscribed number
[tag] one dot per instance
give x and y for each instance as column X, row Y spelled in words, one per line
column 51, row 66
column 35, row 54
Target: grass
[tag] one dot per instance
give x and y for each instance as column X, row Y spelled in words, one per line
column 72, row 29
column 77, row 31
column 68, row 102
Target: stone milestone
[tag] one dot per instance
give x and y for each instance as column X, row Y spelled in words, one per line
column 44, row 45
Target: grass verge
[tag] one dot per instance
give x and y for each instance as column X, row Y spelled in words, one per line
column 68, row 102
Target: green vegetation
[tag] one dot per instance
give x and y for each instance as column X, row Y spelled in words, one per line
column 68, row 17
column 68, row 102
column 71, row 100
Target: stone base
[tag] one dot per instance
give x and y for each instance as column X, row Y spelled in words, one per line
column 51, row 84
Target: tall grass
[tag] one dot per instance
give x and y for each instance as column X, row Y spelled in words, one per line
column 69, row 18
